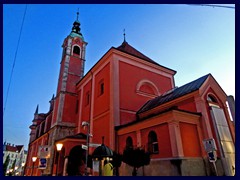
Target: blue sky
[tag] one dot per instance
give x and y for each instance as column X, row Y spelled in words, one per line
column 193, row 40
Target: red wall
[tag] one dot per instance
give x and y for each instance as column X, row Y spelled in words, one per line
column 129, row 77
column 48, row 122
column 101, row 127
column 122, row 141
column 60, row 76
column 33, row 151
column 55, row 110
column 101, row 106
column 126, row 117
column 187, row 105
column 164, row 144
column 190, row 140
column 73, row 73
column 85, row 108
column 101, row 102
column 69, row 111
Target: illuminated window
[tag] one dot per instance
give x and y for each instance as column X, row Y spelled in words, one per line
column 152, row 143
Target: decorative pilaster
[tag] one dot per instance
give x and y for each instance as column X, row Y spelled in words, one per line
column 175, row 138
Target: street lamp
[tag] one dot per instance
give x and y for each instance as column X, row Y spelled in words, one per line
column 85, row 123
column 15, row 169
column 10, row 171
column 59, row 148
column 33, row 160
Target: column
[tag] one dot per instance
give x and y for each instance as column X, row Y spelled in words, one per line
column 175, row 138
column 65, row 166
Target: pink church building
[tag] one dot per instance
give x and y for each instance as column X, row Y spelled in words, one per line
column 131, row 101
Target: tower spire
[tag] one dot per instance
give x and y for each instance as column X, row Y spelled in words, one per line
column 52, row 97
column 36, row 112
column 76, row 28
column 124, row 40
column 77, row 14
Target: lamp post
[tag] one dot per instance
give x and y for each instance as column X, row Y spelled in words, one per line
column 23, row 164
column 59, row 148
column 33, row 160
column 85, row 123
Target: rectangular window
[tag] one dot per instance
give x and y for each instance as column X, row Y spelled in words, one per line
column 87, row 100
column 101, row 88
column 153, row 148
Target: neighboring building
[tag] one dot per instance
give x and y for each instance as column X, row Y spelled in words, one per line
column 131, row 101
column 16, row 154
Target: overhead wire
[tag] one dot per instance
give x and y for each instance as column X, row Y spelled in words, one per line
column 213, row 5
column 14, row 61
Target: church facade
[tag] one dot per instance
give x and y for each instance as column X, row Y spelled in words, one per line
column 131, row 101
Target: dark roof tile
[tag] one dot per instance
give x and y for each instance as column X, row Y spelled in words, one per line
column 127, row 48
column 14, row 148
column 173, row 94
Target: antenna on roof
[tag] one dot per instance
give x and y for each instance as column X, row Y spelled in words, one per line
column 124, row 40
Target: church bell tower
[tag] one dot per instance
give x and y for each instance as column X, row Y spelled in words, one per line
column 71, row 71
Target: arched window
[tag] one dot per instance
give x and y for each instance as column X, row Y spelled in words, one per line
column 37, row 132
column 42, row 128
column 147, row 88
column 129, row 142
column 76, row 50
column 211, row 99
column 152, row 143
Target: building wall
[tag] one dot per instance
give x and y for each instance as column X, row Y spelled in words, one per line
column 164, row 145
column 122, row 141
column 130, row 77
column 168, row 167
column 17, row 155
column 101, row 128
column 190, row 140
column 101, row 101
column 98, row 107
column 69, row 114
column 55, row 111
column 118, row 85
column 187, row 105
column 84, row 105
